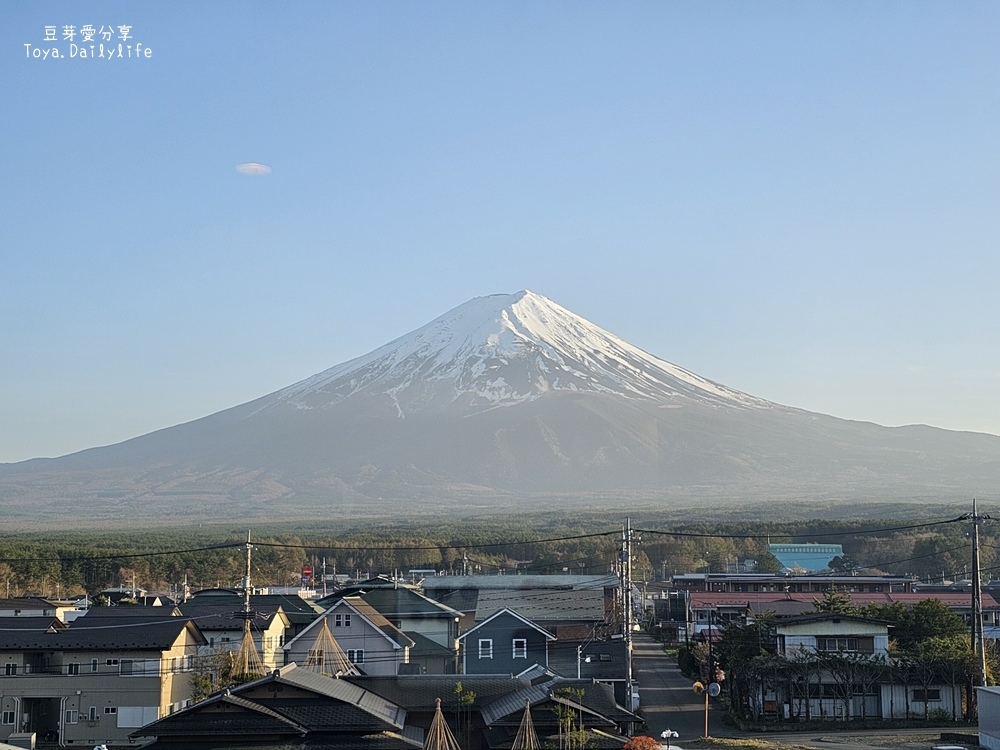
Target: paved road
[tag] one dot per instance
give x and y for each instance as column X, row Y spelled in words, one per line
column 666, row 697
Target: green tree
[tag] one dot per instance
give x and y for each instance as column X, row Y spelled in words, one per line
column 836, row 602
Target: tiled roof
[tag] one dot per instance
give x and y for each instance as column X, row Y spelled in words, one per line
column 598, row 702
column 586, row 605
column 124, row 612
column 424, row 647
column 381, row 741
column 484, row 583
column 224, row 617
column 30, row 623
column 403, row 602
column 224, row 715
column 702, row 599
column 157, row 635
column 418, row 692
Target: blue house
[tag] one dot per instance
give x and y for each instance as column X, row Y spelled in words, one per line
column 504, row 643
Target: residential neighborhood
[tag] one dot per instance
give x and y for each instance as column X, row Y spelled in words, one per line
column 224, row 664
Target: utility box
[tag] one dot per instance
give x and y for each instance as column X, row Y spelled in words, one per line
column 22, row 739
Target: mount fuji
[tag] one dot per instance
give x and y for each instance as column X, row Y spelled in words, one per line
column 505, row 402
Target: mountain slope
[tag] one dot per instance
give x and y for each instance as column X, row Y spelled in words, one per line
column 505, row 401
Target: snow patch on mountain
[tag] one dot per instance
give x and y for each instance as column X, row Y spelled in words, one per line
column 502, row 350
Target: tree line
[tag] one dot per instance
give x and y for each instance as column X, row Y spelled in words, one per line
column 51, row 564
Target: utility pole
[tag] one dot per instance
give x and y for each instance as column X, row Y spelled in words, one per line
column 978, row 633
column 626, row 587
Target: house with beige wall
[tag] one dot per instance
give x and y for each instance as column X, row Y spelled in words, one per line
column 88, row 686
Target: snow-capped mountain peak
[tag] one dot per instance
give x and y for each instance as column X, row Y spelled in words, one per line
column 501, row 350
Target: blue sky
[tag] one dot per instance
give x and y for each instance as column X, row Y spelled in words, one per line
column 798, row 200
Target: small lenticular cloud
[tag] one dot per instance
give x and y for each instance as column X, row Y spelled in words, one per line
column 253, row 169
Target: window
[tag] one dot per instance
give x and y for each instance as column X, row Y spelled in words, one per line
column 520, row 648
column 356, row 656
column 342, row 621
column 10, row 669
column 73, row 668
column 72, row 717
column 93, row 665
column 485, row 648
column 316, row 658
column 92, row 714
column 111, row 662
column 139, row 667
column 7, row 718
column 926, row 695
column 109, row 710
column 837, row 644
column 137, row 716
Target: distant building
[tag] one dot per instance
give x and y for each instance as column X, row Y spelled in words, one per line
column 806, row 557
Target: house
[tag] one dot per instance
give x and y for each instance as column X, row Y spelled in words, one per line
column 299, row 612
column 433, row 627
column 504, row 643
column 369, row 640
column 568, row 606
column 92, row 685
column 36, row 606
column 288, row 708
column 718, row 608
column 223, row 627
column 840, row 668
column 293, row 707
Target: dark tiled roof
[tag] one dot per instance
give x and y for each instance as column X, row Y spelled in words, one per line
column 225, row 617
column 224, row 715
column 328, row 687
column 541, row 606
column 598, row 701
column 289, row 701
column 157, row 635
column 418, row 692
column 424, row 647
column 326, row 715
column 116, row 615
column 382, row 741
column 30, row 623
column 402, row 602
column 484, row 583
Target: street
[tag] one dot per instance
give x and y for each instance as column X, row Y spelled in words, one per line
column 667, row 700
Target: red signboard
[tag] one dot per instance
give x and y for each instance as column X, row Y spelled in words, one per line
column 307, row 571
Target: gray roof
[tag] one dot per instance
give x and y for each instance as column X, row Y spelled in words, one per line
column 598, row 702
column 424, row 647
column 98, row 616
column 404, row 602
column 541, row 605
column 224, row 617
column 30, row 623
column 287, row 701
column 484, row 583
column 157, row 635
column 418, row 692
